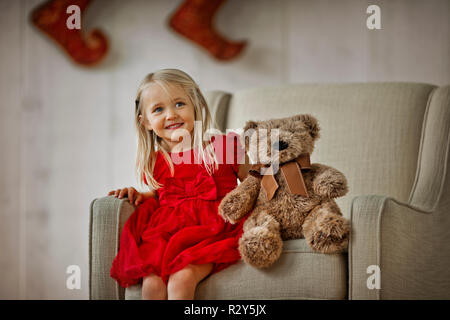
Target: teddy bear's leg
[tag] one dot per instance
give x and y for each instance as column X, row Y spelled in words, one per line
column 325, row 229
column 261, row 243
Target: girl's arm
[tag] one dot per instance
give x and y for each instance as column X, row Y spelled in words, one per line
column 133, row 195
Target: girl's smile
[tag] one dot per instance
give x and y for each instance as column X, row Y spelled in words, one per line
column 175, row 126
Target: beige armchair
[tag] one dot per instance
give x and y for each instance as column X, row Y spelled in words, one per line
column 392, row 141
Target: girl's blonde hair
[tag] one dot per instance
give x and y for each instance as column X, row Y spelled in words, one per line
column 149, row 142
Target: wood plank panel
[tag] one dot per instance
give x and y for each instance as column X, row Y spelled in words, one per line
column 64, row 133
column 413, row 44
column 326, row 41
column 262, row 62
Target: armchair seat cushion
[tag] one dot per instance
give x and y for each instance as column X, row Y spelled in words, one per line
column 300, row 273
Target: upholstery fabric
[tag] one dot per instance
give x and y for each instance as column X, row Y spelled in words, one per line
column 107, row 218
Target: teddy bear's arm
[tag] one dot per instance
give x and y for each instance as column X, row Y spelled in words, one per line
column 329, row 182
column 240, row 201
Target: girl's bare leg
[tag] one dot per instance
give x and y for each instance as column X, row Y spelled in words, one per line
column 182, row 284
column 153, row 288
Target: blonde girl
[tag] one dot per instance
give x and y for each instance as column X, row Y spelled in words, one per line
column 175, row 238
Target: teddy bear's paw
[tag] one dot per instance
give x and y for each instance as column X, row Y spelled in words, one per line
column 330, row 235
column 330, row 184
column 260, row 247
column 233, row 207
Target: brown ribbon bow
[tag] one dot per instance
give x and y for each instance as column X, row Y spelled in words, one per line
column 291, row 172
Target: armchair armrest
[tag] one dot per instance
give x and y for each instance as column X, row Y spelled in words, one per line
column 409, row 242
column 107, row 218
column 405, row 243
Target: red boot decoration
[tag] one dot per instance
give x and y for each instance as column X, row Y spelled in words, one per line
column 51, row 18
column 194, row 20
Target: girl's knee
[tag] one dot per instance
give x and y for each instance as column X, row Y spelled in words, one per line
column 153, row 287
column 182, row 284
column 183, row 277
column 191, row 274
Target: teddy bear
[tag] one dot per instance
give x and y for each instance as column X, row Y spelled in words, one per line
column 287, row 196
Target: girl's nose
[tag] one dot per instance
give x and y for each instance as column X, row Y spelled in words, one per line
column 171, row 114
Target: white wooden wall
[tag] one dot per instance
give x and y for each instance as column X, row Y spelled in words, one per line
column 67, row 132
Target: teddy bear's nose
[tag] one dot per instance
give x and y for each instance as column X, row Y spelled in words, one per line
column 280, row 145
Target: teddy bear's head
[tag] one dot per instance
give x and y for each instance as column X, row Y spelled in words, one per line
column 280, row 140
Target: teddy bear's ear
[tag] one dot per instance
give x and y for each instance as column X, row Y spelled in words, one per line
column 311, row 123
column 250, row 125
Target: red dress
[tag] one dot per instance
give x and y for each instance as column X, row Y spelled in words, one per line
column 182, row 226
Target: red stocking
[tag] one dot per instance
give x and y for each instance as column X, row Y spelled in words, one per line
column 51, row 18
column 194, row 20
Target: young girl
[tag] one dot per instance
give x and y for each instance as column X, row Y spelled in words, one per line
column 176, row 238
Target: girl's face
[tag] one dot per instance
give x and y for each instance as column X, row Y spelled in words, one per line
column 169, row 114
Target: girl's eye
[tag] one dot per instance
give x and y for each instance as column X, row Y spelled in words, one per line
column 179, row 104
column 158, row 109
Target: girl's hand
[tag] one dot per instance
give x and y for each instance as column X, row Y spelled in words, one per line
column 131, row 193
